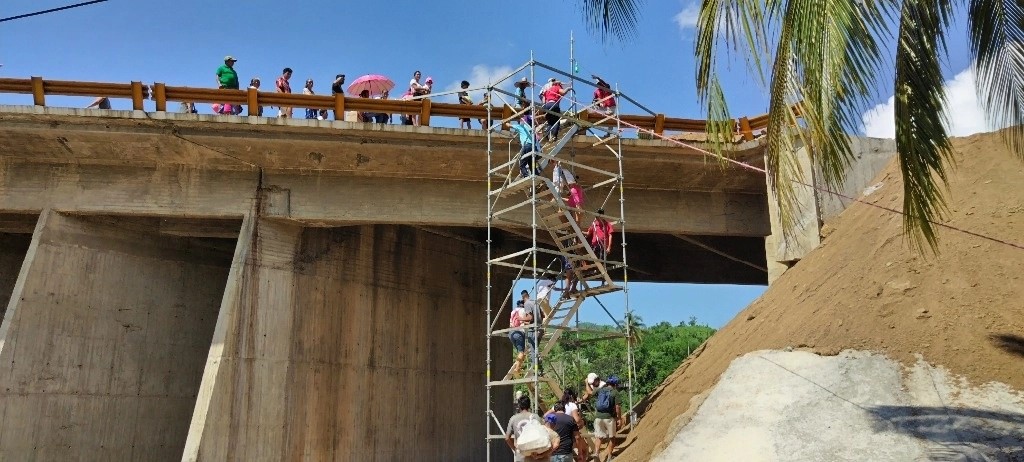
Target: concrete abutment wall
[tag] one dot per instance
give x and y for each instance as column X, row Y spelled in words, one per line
column 103, row 345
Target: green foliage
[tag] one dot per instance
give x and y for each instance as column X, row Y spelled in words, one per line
column 658, row 350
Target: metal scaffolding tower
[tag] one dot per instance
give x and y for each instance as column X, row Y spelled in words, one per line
column 534, row 208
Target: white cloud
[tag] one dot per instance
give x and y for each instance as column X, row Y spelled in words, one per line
column 964, row 115
column 480, row 76
column 687, row 18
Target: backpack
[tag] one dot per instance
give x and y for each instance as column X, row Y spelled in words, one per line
column 533, row 438
column 605, row 400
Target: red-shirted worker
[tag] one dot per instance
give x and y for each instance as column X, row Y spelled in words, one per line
column 604, row 99
column 552, row 96
column 284, row 87
column 600, row 235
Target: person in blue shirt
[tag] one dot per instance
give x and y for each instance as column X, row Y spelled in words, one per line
column 528, row 140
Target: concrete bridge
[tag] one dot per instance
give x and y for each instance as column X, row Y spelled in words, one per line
column 234, row 288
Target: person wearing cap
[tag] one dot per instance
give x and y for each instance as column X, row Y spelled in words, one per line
column 569, row 436
column 605, row 420
column 227, row 78
column 515, row 429
column 591, row 385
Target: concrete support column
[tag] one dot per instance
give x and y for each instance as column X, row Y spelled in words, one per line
column 783, row 248
column 358, row 343
column 103, row 343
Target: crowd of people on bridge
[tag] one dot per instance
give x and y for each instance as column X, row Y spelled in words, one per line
column 551, row 95
column 558, row 434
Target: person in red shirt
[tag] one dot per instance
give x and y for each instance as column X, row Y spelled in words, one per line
column 604, row 99
column 600, row 235
column 552, row 96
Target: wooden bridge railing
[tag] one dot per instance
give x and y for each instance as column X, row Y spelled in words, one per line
column 424, row 108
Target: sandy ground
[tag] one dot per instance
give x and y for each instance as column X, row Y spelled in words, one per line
column 856, row 406
column 866, row 289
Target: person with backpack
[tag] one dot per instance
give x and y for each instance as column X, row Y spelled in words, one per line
column 526, row 434
column 520, row 317
column 609, row 412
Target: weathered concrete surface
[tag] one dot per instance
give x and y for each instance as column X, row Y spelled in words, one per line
column 871, row 155
column 346, row 344
column 393, row 174
column 12, row 253
column 818, row 202
column 103, row 346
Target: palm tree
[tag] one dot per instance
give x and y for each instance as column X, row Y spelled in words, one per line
column 821, row 61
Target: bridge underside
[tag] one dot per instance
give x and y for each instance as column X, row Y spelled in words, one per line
column 176, row 291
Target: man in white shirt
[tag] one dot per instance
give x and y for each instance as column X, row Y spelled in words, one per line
column 544, row 288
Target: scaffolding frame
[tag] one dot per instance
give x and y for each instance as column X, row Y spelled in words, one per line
column 509, row 194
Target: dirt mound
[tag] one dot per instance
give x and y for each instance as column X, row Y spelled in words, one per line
column 866, row 289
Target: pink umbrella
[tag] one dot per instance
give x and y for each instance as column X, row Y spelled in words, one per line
column 375, row 84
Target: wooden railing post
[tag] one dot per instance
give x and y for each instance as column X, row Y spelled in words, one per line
column 659, row 124
column 745, row 130
column 339, row 106
column 137, row 96
column 425, row 113
column 160, row 95
column 252, row 97
column 38, row 97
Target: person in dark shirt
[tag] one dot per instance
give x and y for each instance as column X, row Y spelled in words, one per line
column 339, row 84
column 568, row 434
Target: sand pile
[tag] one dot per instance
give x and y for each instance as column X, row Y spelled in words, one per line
column 866, row 289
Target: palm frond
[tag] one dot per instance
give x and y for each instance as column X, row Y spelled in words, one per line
column 996, row 29
column 722, row 23
column 826, row 60
column 922, row 143
column 612, row 18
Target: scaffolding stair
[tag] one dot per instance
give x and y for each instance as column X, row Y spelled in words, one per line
column 589, row 271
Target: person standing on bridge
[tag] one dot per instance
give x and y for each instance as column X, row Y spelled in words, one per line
column 284, row 87
column 255, row 85
column 308, row 90
column 338, row 88
column 227, row 78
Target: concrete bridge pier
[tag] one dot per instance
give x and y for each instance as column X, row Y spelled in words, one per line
column 124, row 342
column 103, row 341
column 354, row 343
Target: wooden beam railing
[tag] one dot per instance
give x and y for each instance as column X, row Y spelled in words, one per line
column 424, row 108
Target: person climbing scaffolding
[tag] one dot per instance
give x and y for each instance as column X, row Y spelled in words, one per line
column 528, row 164
column 521, row 316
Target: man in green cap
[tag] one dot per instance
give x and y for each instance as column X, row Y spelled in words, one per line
column 226, row 75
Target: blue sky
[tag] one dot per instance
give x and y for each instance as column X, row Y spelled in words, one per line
column 183, row 42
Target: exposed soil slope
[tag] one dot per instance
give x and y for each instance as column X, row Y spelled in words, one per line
column 865, row 288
